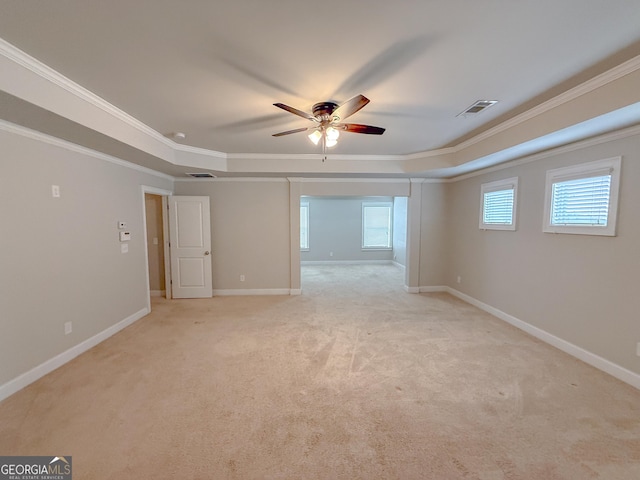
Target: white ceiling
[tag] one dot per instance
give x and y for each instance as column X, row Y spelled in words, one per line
column 212, row 69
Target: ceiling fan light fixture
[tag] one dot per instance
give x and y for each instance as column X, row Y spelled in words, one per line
column 332, row 133
column 331, row 142
column 315, row 136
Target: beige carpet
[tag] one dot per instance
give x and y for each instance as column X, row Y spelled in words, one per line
column 347, row 381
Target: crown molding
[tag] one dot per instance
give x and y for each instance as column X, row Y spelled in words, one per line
column 57, row 142
column 16, row 55
column 196, row 150
column 349, row 180
column 596, row 82
column 21, row 58
column 232, row 179
column 589, row 142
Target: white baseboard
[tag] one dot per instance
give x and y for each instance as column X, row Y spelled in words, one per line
column 434, row 289
column 18, row 383
column 409, row 289
column 253, row 291
column 399, row 265
column 580, row 353
column 346, row 262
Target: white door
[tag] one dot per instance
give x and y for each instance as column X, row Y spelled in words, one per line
column 190, row 240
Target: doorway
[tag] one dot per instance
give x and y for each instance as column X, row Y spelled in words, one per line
column 342, row 234
column 155, row 245
column 156, row 226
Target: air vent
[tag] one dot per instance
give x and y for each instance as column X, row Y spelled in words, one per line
column 477, row 107
column 201, row 175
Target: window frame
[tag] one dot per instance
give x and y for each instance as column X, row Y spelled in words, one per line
column 304, row 205
column 612, row 166
column 388, row 205
column 497, row 186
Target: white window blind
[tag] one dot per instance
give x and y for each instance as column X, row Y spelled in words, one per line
column 304, row 226
column 583, row 201
column 497, row 204
column 376, row 225
column 498, row 207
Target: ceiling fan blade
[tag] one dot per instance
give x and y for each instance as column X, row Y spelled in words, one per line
column 350, row 107
column 295, row 111
column 289, row 132
column 358, row 128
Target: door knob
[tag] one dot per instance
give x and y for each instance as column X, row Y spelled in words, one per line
column 207, row 252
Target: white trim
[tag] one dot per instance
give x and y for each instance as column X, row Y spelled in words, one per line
column 252, row 291
column 57, row 142
column 401, row 181
column 433, row 289
column 499, row 186
column 197, row 150
column 232, row 179
column 571, row 147
column 18, row 383
column 158, row 293
column 155, row 191
column 346, row 262
column 601, row 80
column 44, row 71
column 592, row 359
column 409, row 289
column 583, row 170
column 314, row 156
column 399, row 265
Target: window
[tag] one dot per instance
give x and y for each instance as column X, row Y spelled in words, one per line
column 583, row 199
column 376, row 225
column 498, row 204
column 304, row 226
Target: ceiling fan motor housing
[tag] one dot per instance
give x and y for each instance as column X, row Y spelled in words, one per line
column 323, row 110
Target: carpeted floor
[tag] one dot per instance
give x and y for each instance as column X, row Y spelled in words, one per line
column 354, row 379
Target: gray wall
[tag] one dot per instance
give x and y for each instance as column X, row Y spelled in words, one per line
column 583, row 289
column 61, row 257
column 434, row 234
column 335, row 227
column 400, row 205
column 249, row 231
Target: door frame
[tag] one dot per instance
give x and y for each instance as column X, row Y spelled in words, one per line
column 165, row 231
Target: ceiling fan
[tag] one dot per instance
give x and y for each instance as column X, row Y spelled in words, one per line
column 327, row 118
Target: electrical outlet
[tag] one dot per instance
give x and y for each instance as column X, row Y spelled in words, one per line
column 68, row 328
column 55, row 191
column 459, row 279
column 331, row 254
column 638, row 349
column 242, row 278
